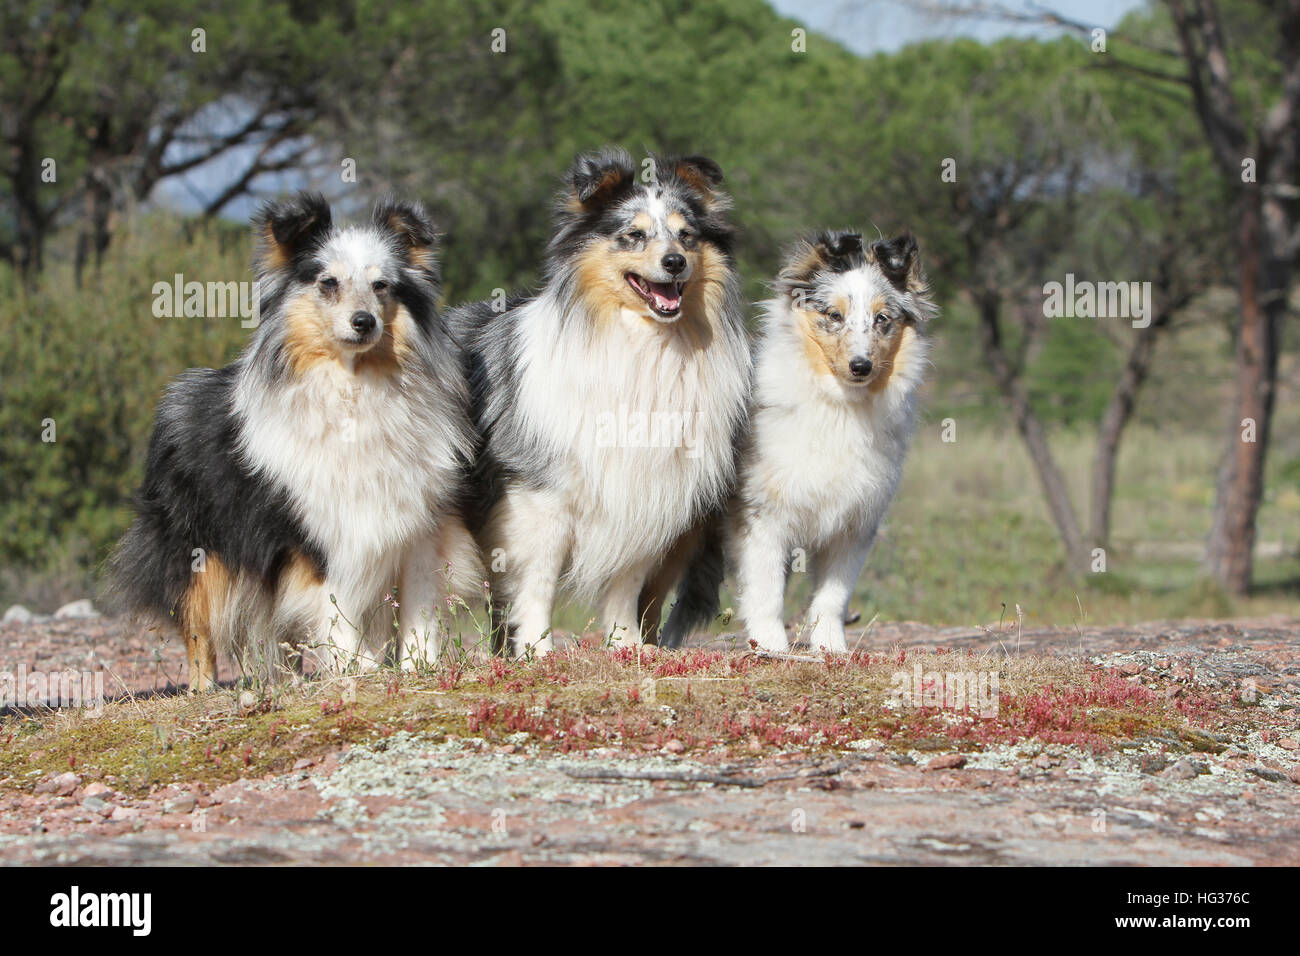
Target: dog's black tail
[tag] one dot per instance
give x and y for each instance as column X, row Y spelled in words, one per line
column 697, row 594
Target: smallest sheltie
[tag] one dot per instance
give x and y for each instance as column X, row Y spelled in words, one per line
column 837, row 370
column 286, row 495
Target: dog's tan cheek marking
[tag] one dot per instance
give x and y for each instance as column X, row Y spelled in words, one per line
column 398, row 333
column 394, row 347
column 705, row 295
column 895, row 357
column 600, row 280
column 306, row 341
column 831, row 358
column 814, row 344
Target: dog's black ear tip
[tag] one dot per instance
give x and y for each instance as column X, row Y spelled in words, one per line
column 312, row 199
column 594, row 162
column 408, row 216
column 307, row 205
column 904, row 242
column 303, row 207
column 709, row 167
column 598, row 173
column 847, row 243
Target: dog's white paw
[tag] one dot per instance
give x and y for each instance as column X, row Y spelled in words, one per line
column 769, row 639
column 828, row 642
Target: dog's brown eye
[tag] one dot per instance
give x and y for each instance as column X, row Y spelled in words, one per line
column 329, row 284
column 834, row 316
column 379, row 285
column 882, row 322
column 636, row 235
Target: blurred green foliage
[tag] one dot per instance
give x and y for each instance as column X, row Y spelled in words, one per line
column 94, row 362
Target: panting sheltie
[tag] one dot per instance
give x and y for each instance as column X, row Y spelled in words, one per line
column 285, row 494
column 609, row 403
column 837, row 369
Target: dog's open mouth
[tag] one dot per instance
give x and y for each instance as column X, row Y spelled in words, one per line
column 664, row 298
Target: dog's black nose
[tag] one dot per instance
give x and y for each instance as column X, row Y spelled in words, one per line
column 674, row 262
column 860, row 367
column 363, row 322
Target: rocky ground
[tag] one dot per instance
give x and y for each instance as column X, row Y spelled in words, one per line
column 501, row 792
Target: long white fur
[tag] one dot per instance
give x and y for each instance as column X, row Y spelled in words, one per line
column 369, row 461
column 823, row 465
column 607, row 514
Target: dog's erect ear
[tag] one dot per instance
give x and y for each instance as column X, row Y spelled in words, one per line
column 410, row 225
column 596, row 178
column 287, row 229
column 825, row 252
column 841, row 251
column 900, row 260
column 700, row 173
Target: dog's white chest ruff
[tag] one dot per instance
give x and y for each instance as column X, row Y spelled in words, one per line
column 824, row 468
column 640, row 425
column 359, row 456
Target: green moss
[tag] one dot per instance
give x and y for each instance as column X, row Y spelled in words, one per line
column 1201, row 743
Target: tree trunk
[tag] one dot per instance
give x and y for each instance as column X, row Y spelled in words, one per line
column 1266, row 249
column 93, row 239
column 1119, row 411
column 1264, row 238
column 30, row 218
column 1032, row 433
column 1116, row 419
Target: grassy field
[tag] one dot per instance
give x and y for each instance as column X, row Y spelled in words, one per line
column 969, row 531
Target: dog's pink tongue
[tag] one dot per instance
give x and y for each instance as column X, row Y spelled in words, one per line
column 666, row 296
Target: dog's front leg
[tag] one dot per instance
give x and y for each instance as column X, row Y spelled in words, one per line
column 760, row 583
column 436, row 567
column 532, row 530
column 420, row 596
column 337, row 634
column 836, row 568
column 621, row 606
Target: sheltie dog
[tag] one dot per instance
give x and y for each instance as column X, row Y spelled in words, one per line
column 286, row 493
column 609, row 403
column 838, row 366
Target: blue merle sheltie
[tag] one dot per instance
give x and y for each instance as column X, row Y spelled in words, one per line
column 608, row 403
column 287, row 495
column 839, row 362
